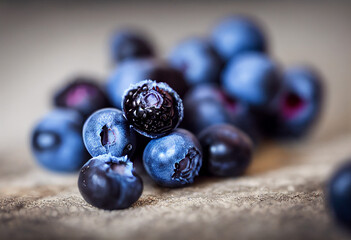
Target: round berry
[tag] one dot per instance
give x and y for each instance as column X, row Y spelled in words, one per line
column 252, row 78
column 173, row 160
column 227, row 151
column 198, row 61
column 82, row 94
column 238, row 34
column 154, row 109
column 108, row 132
column 339, row 194
column 130, row 44
column 300, row 103
column 57, row 143
column 109, row 183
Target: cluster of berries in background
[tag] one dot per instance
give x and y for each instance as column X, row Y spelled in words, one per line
column 200, row 112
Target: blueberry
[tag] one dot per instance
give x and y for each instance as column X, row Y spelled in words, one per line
column 82, row 94
column 56, row 141
column 108, row 132
column 339, row 195
column 109, row 183
column 238, row 34
column 300, row 103
column 227, row 151
column 197, row 59
column 134, row 71
column 154, row 109
column 206, row 105
column 252, row 78
column 130, row 44
column 199, row 115
column 173, row 160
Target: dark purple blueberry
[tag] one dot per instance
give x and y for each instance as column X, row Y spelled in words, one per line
column 107, row 132
column 130, row 44
column 57, row 143
column 109, row 183
column 134, row 71
column 154, row 109
column 198, row 61
column 300, row 103
column 252, row 78
column 339, row 195
column 298, row 106
column 238, row 34
column 82, row 94
column 173, row 160
column 227, row 151
column 207, row 105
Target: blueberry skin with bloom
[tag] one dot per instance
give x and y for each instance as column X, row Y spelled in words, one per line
column 339, row 195
column 153, row 109
column 82, row 94
column 300, row 103
column 133, row 71
column 107, row 132
column 238, row 34
column 109, row 183
column 173, row 160
column 198, row 61
column 56, row 141
column 227, row 151
column 252, row 78
column 207, row 104
column 130, row 44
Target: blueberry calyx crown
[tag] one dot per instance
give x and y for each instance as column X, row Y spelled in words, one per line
column 109, row 137
column 187, row 168
column 152, row 108
column 121, row 166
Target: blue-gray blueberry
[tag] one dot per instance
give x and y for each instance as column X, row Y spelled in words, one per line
column 236, row 34
column 107, row 132
column 253, row 78
column 56, row 141
column 198, row 61
column 173, row 160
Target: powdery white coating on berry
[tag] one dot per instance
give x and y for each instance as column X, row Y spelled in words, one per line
column 154, row 101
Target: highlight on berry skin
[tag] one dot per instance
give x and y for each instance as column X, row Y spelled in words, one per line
column 154, row 109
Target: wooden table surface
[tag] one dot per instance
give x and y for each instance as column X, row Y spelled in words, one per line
column 281, row 196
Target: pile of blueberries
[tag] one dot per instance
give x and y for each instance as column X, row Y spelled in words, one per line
column 200, row 112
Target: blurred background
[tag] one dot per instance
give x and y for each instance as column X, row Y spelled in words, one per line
column 43, row 44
